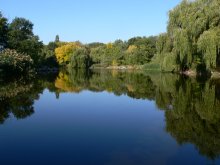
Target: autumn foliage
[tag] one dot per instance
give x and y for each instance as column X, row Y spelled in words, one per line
column 64, row 53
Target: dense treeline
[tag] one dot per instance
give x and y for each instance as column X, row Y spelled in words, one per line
column 136, row 51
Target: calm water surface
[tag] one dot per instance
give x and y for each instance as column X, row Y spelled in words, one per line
column 109, row 118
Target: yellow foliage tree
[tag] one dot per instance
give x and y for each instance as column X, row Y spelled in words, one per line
column 109, row 45
column 64, row 52
column 114, row 63
column 131, row 48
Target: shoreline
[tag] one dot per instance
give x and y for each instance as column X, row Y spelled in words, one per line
column 121, row 67
column 189, row 73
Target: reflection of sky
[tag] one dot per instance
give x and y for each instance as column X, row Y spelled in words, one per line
column 93, row 128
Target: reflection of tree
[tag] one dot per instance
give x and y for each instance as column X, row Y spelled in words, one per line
column 12, row 100
column 20, row 111
column 9, row 90
column 17, row 97
column 136, row 85
column 195, row 117
column 74, row 81
column 192, row 111
column 192, row 108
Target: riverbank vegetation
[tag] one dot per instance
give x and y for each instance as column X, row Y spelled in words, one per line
column 191, row 45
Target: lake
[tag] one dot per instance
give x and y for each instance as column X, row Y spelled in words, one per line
column 109, row 118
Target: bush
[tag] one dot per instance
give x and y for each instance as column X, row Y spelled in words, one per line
column 10, row 60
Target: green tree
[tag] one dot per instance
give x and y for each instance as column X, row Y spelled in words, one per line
column 3, row 31
column 192, row 37
column 80, row 58
column 22, row 39
column 57, row 39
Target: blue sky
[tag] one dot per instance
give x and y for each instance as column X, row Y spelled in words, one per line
column 91, row 20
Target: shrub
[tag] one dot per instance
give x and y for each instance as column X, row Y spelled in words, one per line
column 10, row 60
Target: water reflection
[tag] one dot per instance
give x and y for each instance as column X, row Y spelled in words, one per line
column 192, row 108
column 17, row 95
column 195, row 116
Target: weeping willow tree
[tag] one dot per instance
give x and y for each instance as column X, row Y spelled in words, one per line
column 192, row 37
column 209, row 45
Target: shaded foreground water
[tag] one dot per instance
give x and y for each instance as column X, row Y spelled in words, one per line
column 109, row 117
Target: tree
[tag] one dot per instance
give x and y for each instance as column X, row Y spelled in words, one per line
column 95, row 45
column 140, row 50
column 22, row 39
column 64, row 53
column 192, row 37
column 3, row 31
column 57, row 39
column 209, row 45
column 80, row 58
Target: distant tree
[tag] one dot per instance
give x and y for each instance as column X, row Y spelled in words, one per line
column 57, row 39
column 140, row 50
column 95, row 45
column 3, row 31
column 97, row 54
column 135, row 41
column 80, row 58
column 64, row 53
column 52, row 46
